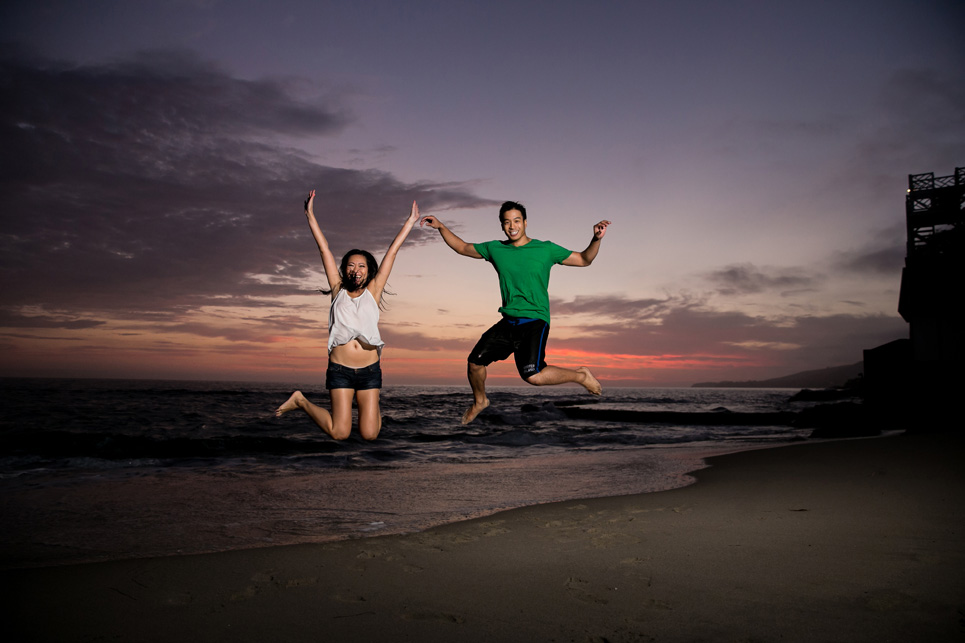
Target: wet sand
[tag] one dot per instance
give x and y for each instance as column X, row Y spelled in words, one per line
column 858, row 540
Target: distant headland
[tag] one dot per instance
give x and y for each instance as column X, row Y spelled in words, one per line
column 831, row 377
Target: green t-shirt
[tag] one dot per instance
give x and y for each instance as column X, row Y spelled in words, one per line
column 524, row 275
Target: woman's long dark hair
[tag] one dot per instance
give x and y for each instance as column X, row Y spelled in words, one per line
column 373, row 269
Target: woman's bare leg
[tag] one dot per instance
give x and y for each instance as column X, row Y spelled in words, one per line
column 334, row 425
column 370, row 415
column 341, row 412
column 298, row 401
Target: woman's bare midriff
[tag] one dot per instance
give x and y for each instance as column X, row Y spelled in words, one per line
column 354, row 354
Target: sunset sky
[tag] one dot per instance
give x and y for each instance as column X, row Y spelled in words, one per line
column 752, row 156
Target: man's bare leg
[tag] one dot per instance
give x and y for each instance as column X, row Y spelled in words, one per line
column 551, row 375
column 477, row 380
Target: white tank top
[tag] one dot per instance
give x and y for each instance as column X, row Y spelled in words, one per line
column 356, row 318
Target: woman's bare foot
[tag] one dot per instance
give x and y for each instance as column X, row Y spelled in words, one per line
column 292, row 404
column 589, row 382
column 473, row 411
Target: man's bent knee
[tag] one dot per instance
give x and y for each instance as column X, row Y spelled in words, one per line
column 475, row 370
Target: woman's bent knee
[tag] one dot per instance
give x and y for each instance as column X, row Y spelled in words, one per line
column 341, row 432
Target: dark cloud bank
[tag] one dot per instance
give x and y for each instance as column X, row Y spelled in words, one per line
column 158, row 184
column 738, row 279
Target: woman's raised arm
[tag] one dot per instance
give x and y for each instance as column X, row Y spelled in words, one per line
column 377, row 285
column 328, row 259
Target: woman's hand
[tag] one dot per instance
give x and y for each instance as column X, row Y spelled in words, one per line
column 309, row 202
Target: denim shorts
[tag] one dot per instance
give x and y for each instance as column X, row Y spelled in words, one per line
column 361, row 379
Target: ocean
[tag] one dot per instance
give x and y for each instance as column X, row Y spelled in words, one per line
column 95, row 470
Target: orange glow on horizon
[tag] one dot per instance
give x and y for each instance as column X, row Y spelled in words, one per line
column 670, row 362
column 106, row 352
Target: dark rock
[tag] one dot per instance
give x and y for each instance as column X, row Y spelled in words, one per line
column 842, row 420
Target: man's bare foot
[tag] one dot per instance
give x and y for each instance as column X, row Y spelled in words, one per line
column 290, row 405
column 473, row 411
column 590, row 383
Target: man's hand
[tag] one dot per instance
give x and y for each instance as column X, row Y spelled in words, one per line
column 432, row 222
column 599, row 230
column 452, row 240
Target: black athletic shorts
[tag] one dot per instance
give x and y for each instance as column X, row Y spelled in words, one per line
column 525, row 339
column 361, row 379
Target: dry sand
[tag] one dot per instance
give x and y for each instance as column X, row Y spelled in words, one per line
column 858, row 540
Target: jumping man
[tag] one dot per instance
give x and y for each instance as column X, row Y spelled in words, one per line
column 523, row 266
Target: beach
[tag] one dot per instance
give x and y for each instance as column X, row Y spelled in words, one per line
column 850, row 540
column 95, row 471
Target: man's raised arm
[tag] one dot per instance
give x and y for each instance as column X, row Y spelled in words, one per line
column 585, row 258
column 451, row 239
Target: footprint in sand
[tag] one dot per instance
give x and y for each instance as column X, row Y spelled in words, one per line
column 180, row 598
column 269, row 580
column 482, row 530
column 349, row 598
column 249, row 592
column 581, row 591
column 427, row 543
column 607, row 540
column 658, row 604
column 263, row 577
column 493, row 528
column 459, row 539
column 887, row 600
column 433, row 616
column 635, row 561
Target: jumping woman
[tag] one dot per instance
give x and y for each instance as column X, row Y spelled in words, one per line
column 354, row 344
